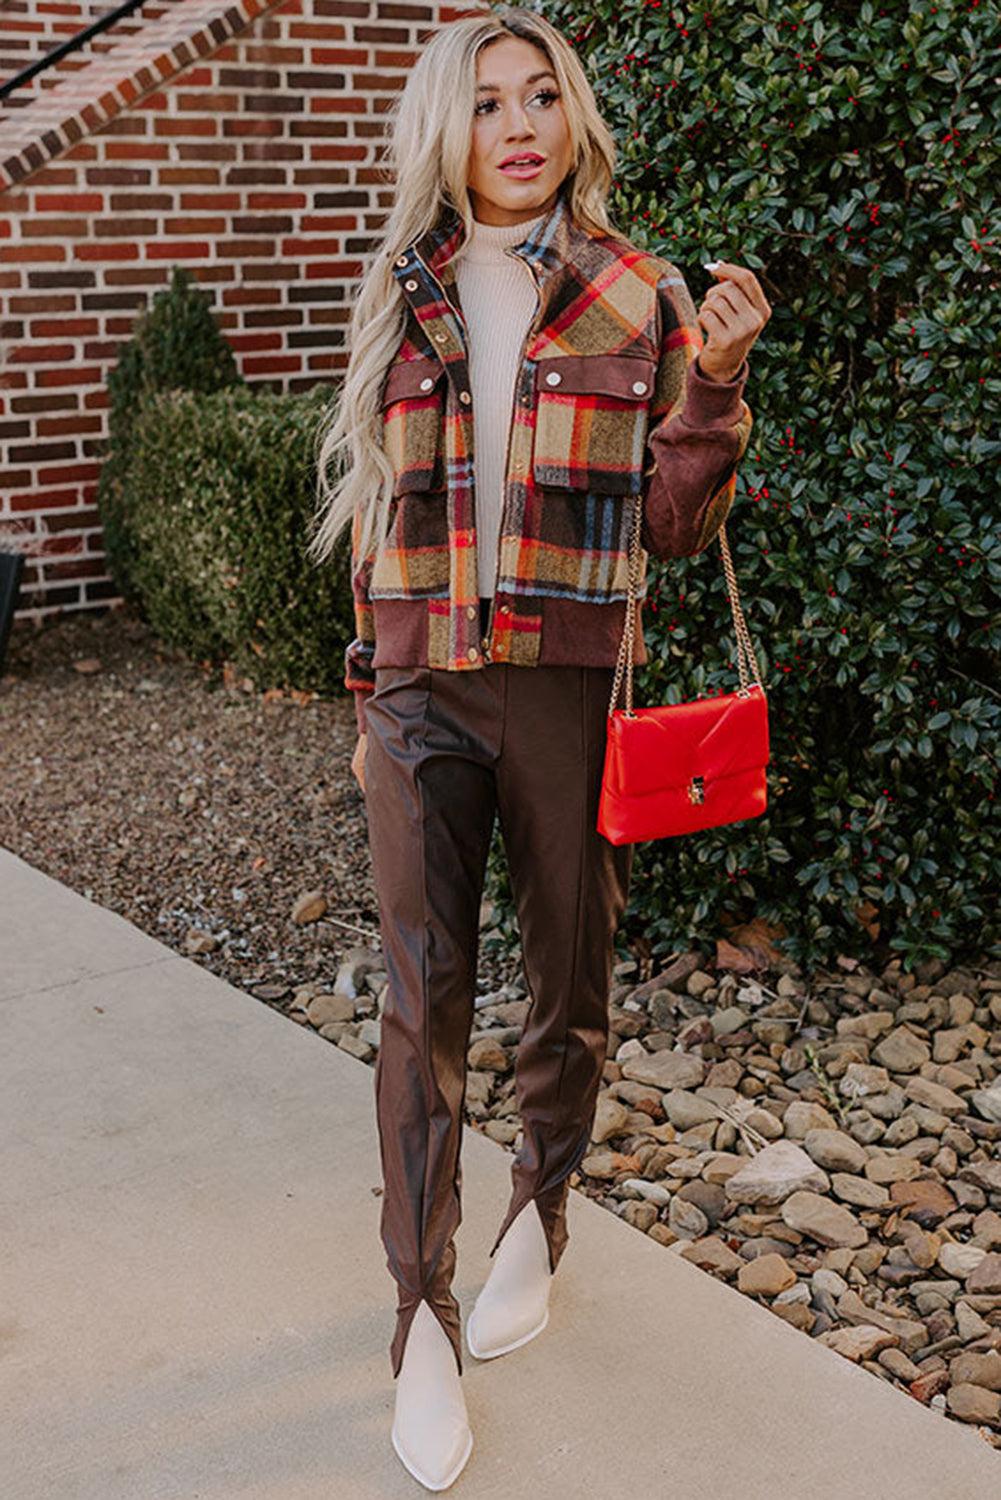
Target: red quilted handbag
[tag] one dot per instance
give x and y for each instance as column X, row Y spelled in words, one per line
column 680, row 767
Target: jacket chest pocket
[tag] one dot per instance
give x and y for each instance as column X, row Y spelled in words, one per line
column 413, row 559
column 591, row 415
column 413, row 400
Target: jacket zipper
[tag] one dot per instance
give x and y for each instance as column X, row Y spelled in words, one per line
column 445, row 299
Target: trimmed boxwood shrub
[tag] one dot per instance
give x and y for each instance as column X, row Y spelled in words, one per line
column 848, row 154
column 176, row 344
column 221, row 489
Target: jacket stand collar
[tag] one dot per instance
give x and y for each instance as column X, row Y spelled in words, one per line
column 555, row 243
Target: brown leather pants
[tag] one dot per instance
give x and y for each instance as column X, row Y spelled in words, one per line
column 445, row 752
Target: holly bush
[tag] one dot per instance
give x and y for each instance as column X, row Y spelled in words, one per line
column 847, row 154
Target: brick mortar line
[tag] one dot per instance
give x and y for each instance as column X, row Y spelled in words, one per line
column 111, row 84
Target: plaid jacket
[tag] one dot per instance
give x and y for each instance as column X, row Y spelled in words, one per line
column 609, row 402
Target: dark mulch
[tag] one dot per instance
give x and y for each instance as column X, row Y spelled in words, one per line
column 184, row 799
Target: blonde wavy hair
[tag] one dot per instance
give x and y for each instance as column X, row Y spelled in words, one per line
column 427, row 150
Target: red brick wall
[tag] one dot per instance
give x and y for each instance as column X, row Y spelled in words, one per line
column 254, row 167
column 30, row 28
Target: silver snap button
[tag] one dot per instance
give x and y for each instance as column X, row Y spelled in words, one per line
column 411, row 286
column 639, row 386
column 554, row 377
column 401, row 260
column 427, row 383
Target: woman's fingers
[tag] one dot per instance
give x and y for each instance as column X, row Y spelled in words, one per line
column 746, row 282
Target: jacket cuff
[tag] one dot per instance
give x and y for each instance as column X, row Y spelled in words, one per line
column 712, row 403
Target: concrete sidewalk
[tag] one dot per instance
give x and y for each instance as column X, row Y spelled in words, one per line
column 195, row 1300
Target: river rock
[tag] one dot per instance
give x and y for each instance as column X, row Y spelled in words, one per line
column 325, row 1008
column 685, row 1109
column 773, row 1173
column 885, row 1168
column 712, row 1254
column 973, row 1368
column 666, row 1070
column 862, row 1342
column 687, row 1220
column 960, row 1260
column 862, row 1079
column 834, row 1150
column 823, row 1220
column 986, row 1175
column 609, row 1119
column 944, row 1101
column 972, row 1403
column 766, row 1276
column 985, row 1277
column 859, row 1191
column 987, row 1103
column 804, row 1115
column 926, row 1200
column 902, row 1051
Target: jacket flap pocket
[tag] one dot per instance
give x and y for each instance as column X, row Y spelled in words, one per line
column 412, row 415
column 412, row 377
column 591, row 417
column 626, row 376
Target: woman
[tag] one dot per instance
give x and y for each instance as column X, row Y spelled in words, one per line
column 518, row 372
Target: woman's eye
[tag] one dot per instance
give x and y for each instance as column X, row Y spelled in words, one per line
column 547, row 94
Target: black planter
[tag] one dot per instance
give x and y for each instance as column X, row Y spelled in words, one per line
column 11, row 564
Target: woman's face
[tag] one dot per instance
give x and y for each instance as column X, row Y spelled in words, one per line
column 518, row 112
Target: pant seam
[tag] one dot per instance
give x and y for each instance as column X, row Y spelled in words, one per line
column 425, row 1005
column 559, row 1111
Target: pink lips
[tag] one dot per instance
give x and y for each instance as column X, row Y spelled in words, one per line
column 530, row 169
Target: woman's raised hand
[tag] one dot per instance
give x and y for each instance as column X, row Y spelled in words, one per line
column 732, row 314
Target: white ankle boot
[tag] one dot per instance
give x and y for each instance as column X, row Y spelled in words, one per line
column 431, row 1432
column 513, row 1305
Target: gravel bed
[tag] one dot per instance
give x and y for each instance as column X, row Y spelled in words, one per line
column 828, row 1143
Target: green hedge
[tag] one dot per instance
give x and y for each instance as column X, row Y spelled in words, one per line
column 217, row 506
column 849, row 155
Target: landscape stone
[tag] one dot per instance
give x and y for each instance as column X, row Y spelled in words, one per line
column 822, row 1220
column 773, row 1173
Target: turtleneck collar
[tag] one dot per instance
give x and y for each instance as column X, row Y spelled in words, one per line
column 487, row 242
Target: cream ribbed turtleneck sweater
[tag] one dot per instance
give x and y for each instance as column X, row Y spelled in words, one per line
column 498, row 297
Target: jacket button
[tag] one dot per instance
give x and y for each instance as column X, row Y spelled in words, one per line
column 401, row 260
column 471, row 611
column 473, row 653
column 427, row 383
column 554, row 377
column 411, row 286
column 639, row 386
column 465, row 397
column 505, row 609
column 440, row 338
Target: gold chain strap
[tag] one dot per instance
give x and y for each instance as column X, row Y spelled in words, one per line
column 624, row 663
